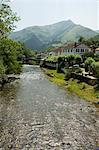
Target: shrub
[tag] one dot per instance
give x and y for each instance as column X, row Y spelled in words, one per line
column 68, row 74
column 88, row 63
column 95, row 68
column 78, row 59
column 2, row 70
column 78, row 70
column 70, row 59
column 96, row 57
column 61, row 64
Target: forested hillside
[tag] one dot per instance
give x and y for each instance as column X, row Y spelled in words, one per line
column 38, row 37
column 11, row 52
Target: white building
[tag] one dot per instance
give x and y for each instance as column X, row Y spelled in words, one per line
column 76, row 49
column 73, row 48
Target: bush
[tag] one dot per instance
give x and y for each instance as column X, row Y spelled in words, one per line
column 83, row 86
column 88, row 63
column 95, row 68
column 68, row 74
column 70, row 59
column 2, row 70
column 52, row 58
column 14, row 67
column 78, row 70
column 78, row 59
column 61, row 64
column 11, row 53
column 96, row 57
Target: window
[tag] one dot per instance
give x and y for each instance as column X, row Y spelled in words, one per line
column 77, row 50
column 82, row 50
column 86, row 50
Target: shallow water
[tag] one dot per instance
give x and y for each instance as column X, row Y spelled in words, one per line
column 35, row 114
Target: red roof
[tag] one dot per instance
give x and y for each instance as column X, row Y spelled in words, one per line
column 70, row 46
column 76, row 45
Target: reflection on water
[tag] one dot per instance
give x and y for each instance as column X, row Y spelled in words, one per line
column 35, row 114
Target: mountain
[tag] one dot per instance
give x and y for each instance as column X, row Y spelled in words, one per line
column 97, row 31
column 38, row 37
column 95, row 39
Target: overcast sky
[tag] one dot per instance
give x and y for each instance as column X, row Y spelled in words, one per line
column 43, row 12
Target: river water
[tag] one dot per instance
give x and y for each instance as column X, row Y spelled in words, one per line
column 36, row 114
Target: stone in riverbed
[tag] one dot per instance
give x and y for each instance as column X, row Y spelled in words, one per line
column 53, row 144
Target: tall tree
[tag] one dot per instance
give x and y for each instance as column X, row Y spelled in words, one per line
column 10, row 51
column 81, row 39
column 7, row 18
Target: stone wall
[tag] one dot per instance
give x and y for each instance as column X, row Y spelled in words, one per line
column 88, row 80
column 50, row 64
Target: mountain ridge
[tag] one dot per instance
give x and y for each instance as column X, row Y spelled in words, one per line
column 97, row 31
column 37, row 37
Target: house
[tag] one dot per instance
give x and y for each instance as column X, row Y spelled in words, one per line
column 97, row 50
column 58, row 51
column 73, row 48
column 76, row 49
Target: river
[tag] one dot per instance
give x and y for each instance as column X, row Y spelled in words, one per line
column 36, row 114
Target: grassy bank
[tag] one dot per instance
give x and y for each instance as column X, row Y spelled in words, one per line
column 81, row 89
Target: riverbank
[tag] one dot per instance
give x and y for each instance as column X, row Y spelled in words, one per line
column 36, row 114
column 81, row 89
column 8, row 79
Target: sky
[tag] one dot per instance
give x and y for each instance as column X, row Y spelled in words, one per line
column 45, row 12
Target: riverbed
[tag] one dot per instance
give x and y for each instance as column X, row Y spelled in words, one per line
column 36, row 114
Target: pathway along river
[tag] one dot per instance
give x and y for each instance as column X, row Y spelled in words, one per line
column 35, row 114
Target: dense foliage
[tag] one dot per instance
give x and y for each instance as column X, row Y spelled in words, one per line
column 95, row 67
column 2, row 70
column 93, row 43
column 11, row 52
column 88, row 63
column 7, row 18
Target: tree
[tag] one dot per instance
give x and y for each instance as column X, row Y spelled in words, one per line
column 93, row 42
column 78, row 59
column 7, row 18
column 81, row 39
column 10, row 51
column 96, row 57
column 60, row 64
column 10, row 54
column 70, row 59
column 95, row 68
column 2, row 70
column 88, row 63
column 88, row 54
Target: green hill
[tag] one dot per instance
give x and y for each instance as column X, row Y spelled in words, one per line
column 75, row 33
column 97, row 31
column 38, row 37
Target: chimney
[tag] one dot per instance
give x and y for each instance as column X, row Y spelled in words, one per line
column 75, row 44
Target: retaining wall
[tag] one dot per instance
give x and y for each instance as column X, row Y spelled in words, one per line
column 89, row 80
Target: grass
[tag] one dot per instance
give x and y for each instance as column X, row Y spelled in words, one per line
column 52, row 58
column 81, row 89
